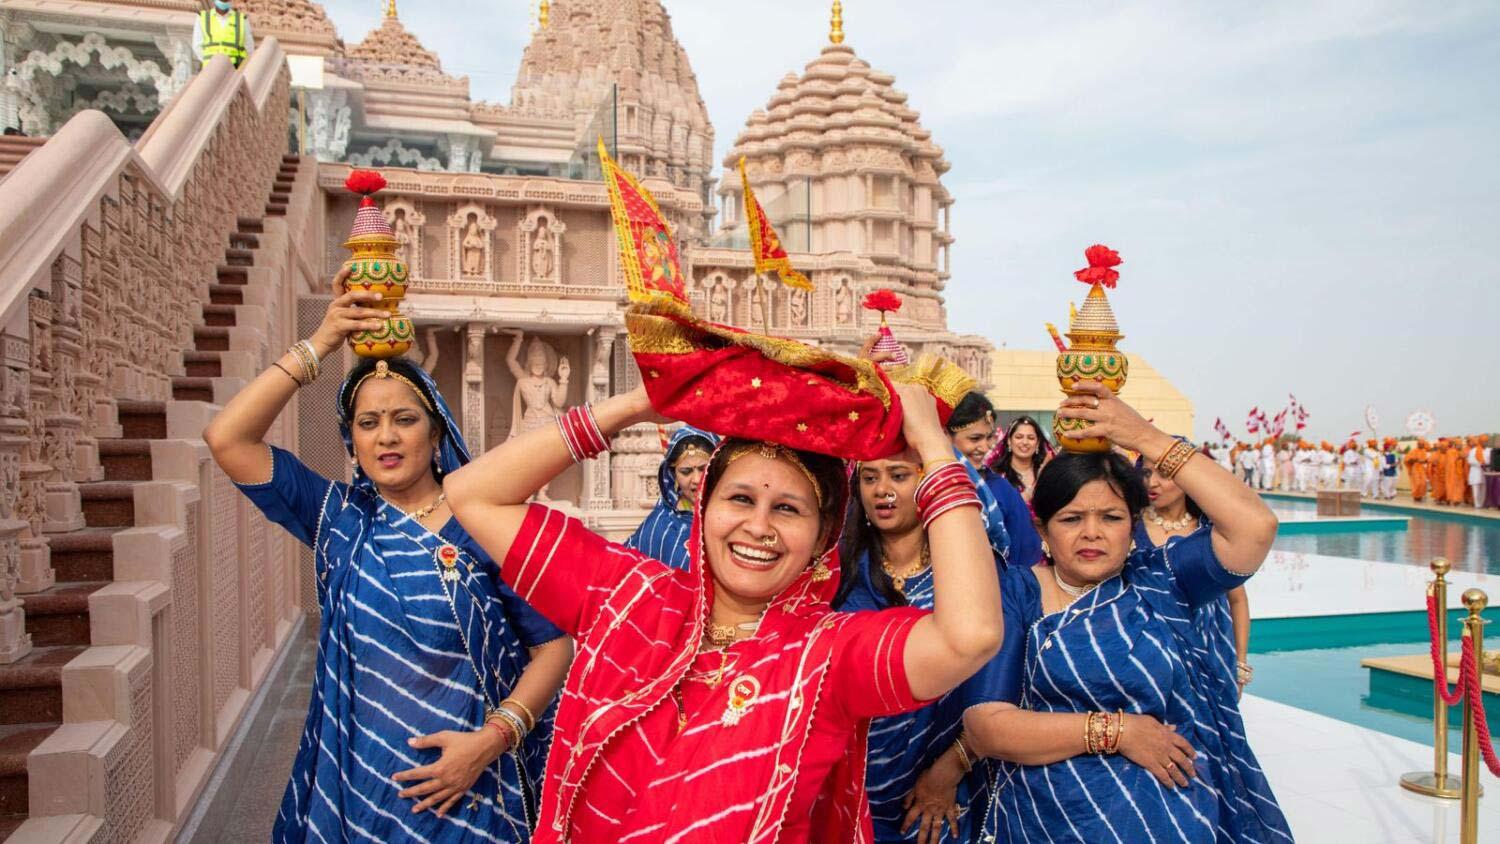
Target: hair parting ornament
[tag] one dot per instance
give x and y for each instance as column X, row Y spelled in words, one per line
column 773, row 451
column 382, row 371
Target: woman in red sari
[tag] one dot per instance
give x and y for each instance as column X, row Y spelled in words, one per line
column 728, row 703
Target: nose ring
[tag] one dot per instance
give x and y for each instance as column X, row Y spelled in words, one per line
column 890, row 497
column 769, row 540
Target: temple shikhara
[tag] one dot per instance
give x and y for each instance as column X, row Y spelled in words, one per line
column 168, row 227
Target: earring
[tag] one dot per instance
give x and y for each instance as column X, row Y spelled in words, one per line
column 820, row 571
column 1132, row 546
column 1046, row 552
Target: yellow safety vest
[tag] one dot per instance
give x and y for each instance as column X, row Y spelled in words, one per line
column 224, row 36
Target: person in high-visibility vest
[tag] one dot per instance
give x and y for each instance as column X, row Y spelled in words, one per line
column 223, row 31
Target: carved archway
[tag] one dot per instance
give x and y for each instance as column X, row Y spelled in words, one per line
column 540, row 255
column 471, row 232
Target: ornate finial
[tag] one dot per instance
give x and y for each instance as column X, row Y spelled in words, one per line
column 390, row 8
column 836, row 34
column 544, row 14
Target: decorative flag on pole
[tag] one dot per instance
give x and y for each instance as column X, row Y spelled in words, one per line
column 647, row 250
column 1222, row 430
column 1056, row 338
column 1252, row 422
column 769, row 253
column 1278, row 424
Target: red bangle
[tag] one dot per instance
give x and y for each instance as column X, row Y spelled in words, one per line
column 580, row 432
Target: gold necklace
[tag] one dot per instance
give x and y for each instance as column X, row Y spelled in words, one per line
column 899, row 580
column 419, row 515
column 724, row 635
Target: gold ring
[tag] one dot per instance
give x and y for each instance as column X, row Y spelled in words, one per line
column 769, row 541
column 1096, row 402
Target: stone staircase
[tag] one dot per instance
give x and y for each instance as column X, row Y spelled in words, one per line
column 31, row 699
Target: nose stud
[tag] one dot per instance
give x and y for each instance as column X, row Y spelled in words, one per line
column 769, row 540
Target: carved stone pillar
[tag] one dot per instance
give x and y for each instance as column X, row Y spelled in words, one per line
column 473, row 402
column 15, row 642
column 598, row 492
column 463, row 154
column 179, row 53
column 36, row 572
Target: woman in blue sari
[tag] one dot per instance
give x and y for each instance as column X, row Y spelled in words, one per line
column 664, row 534
column 1109, row 720
column 921, row 781
column 430, row 711
column 972, row 429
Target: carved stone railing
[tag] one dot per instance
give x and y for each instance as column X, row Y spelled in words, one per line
column 107, row 250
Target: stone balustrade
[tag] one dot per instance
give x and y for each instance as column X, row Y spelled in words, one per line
column 107, row 254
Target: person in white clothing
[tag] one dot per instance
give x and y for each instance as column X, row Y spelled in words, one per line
column 1373, row 467
column 1267, row 466
column 1390, row 463
column 1221, row 456
column 1328, row 467
column 1354, row 467
column 1250, row 466
column 1303, row 467
column 1477, row 457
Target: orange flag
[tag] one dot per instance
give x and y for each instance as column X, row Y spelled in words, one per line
column 647, row 251
column 769, row 253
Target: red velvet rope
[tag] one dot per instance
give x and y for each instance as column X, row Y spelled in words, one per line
column 1439, row 670
column 1469, row 674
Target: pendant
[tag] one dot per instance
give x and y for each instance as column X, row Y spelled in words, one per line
column 447, row 556
column 742, row 693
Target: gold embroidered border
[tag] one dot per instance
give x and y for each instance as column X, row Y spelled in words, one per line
column 667, row 327
column 941, row 377
column 635, row 283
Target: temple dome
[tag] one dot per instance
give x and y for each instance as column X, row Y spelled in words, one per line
column 393, row 44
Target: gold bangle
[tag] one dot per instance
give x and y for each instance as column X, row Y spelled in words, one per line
column 525, row 711
column 964, row 762
column 1174, row 459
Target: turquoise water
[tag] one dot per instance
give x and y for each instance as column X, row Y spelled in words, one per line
column 1471, row 546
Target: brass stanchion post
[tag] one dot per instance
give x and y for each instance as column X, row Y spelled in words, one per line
column 1475, row 600
column 1436, row 782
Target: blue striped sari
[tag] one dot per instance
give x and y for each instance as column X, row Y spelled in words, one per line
column 1135, row 643
column 663, row 535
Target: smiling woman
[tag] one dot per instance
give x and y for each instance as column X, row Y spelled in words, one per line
column 435, row 681
column 728, row 702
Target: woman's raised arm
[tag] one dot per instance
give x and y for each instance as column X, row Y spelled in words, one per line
column 489, row 495
column 965, row 628
column 236, row 436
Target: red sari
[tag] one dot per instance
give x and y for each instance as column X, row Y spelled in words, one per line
column 764, row 742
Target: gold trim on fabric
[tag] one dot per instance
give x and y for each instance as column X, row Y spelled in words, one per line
column 941, row 377
column 666, row 327
column 754, row 220
column 635, row 283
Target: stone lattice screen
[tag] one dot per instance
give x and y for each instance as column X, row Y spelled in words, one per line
column 106, row 253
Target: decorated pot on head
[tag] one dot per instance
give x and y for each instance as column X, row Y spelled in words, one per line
column 1093, row 336
column 373, row 266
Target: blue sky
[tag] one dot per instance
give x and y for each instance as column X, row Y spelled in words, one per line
column 1304, row 193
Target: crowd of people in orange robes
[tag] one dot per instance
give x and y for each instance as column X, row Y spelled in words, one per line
column 1451, row 470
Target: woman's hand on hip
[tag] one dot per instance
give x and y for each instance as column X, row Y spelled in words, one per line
column 465, row 755
column 1159, row 749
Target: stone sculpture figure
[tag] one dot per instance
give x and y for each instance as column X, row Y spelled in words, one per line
column 539, row 396
column 403, row 231
column 718, row 304
column 757, row 306
column 843, row 305
column 542, row 258
column 798, row 305
column 473, row 248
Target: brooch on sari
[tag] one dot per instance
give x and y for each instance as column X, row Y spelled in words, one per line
column 742, row 693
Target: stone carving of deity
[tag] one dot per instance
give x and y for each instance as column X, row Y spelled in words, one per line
column 718, row 304
column 843, row 305
column 757, row 306
column 402, row 228
column 798, row 306
column 473, row 248
column 541, row 387
column 541, row 255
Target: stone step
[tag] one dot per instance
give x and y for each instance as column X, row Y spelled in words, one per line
column 186, row 388
column 244, row 240
column 16, row 742
column 283, row 184
column 209, row 338
column 290, row 158
column 108, row 503
column 31, row 689
column 84, row 556
column 233, row 275
column 275, row 210
column 202, row 364
column 60, row 615
column 239, row 257
column 221, row 316
column 250, row 225
column 125, row 460
column 142, row 420
column 226, row 294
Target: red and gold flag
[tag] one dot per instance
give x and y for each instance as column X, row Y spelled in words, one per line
column 647, row 251
column 769, row 253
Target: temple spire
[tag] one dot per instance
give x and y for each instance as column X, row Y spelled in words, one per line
column 836, row 33
column 390, row 8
